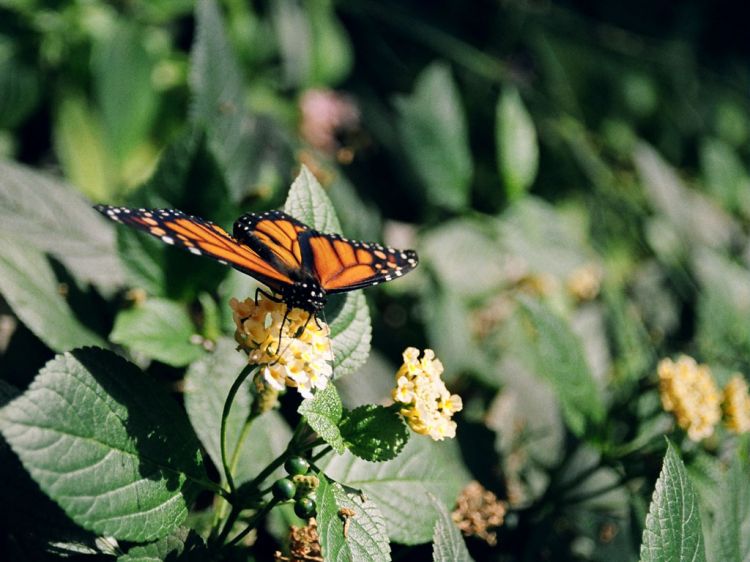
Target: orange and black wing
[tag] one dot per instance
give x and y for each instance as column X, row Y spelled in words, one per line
column 275, row 236
column 344, row 265
column 202, row 238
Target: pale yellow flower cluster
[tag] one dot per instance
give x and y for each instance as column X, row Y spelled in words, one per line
column 427, row 405
column 688, row 391
column 737, row 404
column 303, row 360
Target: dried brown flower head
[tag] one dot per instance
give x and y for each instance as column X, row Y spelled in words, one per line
column 478, row 511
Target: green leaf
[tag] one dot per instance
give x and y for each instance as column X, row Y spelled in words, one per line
column 28, row 284
column 366, row 537
column 517, row 147
column 461, row 245
column 374, row 433
column 673, row 525
column 556, row 354
column 349, row 320
column 447, row 543
column 184, row 544
column 724, row 173
column 19, row 92
column 331, row 53
column 122, row 78
column 731, row 525
column 107, row 444
column 218, row 103
column 307, row 201
column 50, row 216
column 401, row 487
column 207, row 383
column 723, row 332
column 28, row 515
column 323, row 413
column 697, row 220
column 81, row 147
column 160, row 329
column 433, row 131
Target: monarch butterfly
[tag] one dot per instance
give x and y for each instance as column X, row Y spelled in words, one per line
column 301, row 265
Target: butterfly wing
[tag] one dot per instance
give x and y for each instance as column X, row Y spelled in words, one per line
column 336, row 263
column 202, row 238
column 275, row 236
column 344, row 265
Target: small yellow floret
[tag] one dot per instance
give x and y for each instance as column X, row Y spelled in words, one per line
column 427, row 405
column 303, row 358
column 688, row 391
column 737, row 404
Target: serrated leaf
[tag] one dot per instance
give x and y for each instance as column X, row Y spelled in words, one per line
column 556, row 354
column 49, row 215
column 122, row 78
column 731, row 525
column 183, row 545
column 433, row 131
column 28, row 515
column 374, row 433
column 323, row 413
column 207, row 383
column 517, row 147
column 350, row 319
column 673, row 525
column 81, row 147
column 28, row 284
column 160, row 329
column 107, row 444
column 366, row 537
column 447, row 543
column 218, row 104
column 400, row 487
column 308, row 202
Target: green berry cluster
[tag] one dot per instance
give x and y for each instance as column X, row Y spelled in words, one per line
column 298, row 486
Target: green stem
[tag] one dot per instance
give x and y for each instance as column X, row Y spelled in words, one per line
column 257, row 516
column 244, row 374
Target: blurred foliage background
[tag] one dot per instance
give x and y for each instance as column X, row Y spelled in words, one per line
column 574, row 176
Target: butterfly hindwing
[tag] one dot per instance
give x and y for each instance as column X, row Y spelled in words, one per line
column 344, row 265
column 200, row 237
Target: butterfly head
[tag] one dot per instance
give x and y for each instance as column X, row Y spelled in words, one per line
column 307, row 295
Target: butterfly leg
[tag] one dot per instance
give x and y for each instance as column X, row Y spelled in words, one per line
column 269, row 296
column 281, row 329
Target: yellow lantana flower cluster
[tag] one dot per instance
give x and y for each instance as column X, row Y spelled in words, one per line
column 737, row 404
column 427, row 405
column 303, row 360
column 688, row 391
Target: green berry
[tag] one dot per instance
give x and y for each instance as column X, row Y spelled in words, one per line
column 284, row 489
column 304, row 508
column 296, row 465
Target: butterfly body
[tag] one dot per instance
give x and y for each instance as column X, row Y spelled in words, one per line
column 299, row 264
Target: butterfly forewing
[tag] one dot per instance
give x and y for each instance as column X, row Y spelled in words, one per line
column 274, row 235
column 200, row 237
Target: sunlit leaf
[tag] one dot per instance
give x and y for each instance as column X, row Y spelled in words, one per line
column 108, row 444
column 517, row 148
